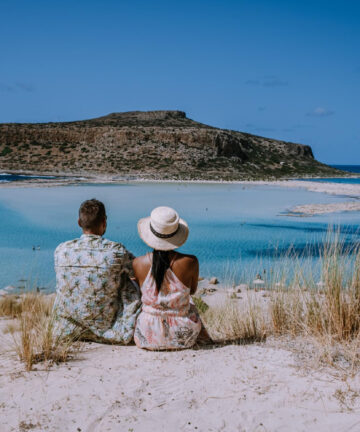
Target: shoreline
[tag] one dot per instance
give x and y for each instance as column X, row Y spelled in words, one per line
column 348, row 190
column 66, row 177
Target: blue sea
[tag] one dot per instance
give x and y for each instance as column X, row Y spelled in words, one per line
column 7, row 178
column 350, row 168
column 354, row 169
column 236, row 231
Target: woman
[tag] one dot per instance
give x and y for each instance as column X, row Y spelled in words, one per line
column 168, row 319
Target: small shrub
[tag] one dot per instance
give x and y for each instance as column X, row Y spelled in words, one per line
column 6, row 150
column 201, row 306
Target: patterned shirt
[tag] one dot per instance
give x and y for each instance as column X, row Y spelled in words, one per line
column 95, row 297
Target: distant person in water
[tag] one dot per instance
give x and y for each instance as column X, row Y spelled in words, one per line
column 95, row 298
column 169, row 319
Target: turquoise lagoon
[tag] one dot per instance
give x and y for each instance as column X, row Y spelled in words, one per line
column 235, row 230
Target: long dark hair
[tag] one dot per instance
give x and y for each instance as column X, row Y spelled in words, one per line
column 160, row 263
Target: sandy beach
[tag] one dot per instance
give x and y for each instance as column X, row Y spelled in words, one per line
column 275, row 385
column 247, row 388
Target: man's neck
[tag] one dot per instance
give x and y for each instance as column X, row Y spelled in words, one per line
column 92, row 233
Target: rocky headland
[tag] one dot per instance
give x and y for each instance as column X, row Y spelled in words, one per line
column 158, row 145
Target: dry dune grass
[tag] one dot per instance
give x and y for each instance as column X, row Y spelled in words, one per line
column 328, row 316
column 10, row 306
column 35, row 341
column 227, row 323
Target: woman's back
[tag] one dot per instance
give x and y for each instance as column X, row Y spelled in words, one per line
column 168, row 319
column 185, row 268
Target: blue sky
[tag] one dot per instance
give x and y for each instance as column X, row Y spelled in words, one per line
column 283, row 69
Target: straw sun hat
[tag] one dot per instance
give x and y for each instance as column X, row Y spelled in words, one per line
column 163, row 229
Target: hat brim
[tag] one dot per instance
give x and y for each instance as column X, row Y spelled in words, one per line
column 164, row 244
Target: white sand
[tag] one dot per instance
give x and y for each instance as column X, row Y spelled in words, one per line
column 232, row 388
column 316, row 209
column 345, row 189
column 340, row 189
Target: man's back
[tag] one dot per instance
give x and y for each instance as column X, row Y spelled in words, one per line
column 93, row 286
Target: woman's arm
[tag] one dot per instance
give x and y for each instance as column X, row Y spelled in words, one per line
column 134, row 266
column 195, row 276
column 141, row 266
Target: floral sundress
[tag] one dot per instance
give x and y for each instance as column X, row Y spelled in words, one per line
column 168, row 319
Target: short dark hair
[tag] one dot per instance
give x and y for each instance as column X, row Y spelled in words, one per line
column 91, row 214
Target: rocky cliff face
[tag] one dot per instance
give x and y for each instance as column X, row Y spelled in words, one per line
column 154, row 144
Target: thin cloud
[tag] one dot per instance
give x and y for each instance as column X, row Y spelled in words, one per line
column 6, row 88
column 25, row 87
column 302, row 126
column 17, row 87
column 320, row 112
column 265, row 129
column 261, row 108
column 259, row 128
column 267, row 81
column 274, row 82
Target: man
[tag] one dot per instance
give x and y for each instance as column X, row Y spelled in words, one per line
column 95, row 298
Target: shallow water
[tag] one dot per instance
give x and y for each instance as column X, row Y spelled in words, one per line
column 235, row 230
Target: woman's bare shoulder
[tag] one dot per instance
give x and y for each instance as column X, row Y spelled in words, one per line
column 187, row 258
column 140, row 261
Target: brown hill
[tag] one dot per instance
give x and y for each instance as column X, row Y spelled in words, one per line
column 153, row 144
